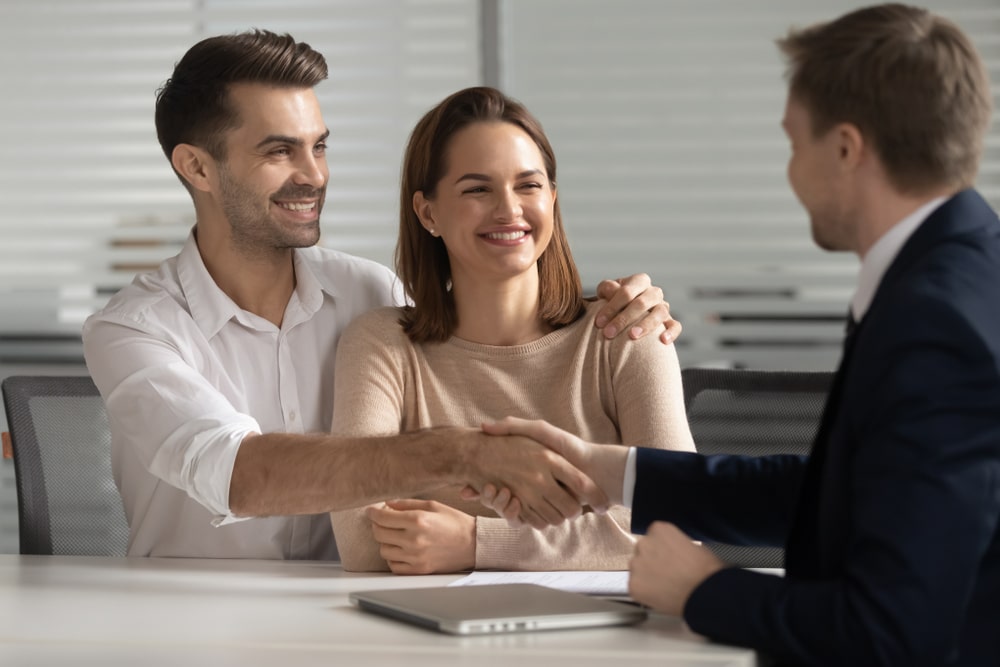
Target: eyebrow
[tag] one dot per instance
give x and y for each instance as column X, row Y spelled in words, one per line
column 483, row 177
column 285, row 139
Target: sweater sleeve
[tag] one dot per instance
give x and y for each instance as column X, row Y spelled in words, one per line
column 643, row 381
column 369, row 388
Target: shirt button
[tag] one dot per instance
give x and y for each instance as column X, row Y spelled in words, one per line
column 291, row 415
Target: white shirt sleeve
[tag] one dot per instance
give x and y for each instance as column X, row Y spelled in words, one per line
column 166, row 414
column 628, row 483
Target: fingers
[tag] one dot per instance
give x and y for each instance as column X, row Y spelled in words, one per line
column 575, row 487
column 644, row 313
column 651, row 321
column 406, row 504
column 581, row 490
column 672, row 331
column 629, row 300
column 553, row 511
column 513, row 513
column 388, row 517
column 501, row 501
column 538, row 430
column 489, row 494
column 529, row 516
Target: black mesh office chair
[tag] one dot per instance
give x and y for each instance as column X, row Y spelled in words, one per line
column 66, row 498
column 755, row 413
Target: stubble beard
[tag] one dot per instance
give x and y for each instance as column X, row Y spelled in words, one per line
column 254, row 232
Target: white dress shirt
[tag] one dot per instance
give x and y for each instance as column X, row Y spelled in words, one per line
column 883, row 252
column 186, row 374
column 873, row 267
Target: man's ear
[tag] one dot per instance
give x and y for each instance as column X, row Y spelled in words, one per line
column 424, row 209
column 194, row 165
column 850, row 144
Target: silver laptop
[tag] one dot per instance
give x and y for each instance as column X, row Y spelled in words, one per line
column 480, row 610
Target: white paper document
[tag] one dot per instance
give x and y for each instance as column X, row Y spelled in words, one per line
column 590, row 582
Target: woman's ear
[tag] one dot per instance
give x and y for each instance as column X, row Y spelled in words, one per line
column 424, row 209
column 194, row 165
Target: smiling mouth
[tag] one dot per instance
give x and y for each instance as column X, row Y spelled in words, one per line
column 297, row 206
column 506, row 236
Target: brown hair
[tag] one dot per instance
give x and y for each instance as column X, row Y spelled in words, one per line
column 192, row 106
column 422, row 260
column 910, row 81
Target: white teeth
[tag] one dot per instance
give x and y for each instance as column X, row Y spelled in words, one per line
column 506, row 236
column 294, row 206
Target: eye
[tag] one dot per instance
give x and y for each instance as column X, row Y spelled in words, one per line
column 479, row 189
column 320, row 148
column 532, row 185
column 282, row 151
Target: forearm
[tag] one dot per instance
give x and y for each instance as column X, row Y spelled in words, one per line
column 606, row 466
column 732, row 499
column 282, row 474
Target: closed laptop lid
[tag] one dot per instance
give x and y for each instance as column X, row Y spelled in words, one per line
column 470, row 610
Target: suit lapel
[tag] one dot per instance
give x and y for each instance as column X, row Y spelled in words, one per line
column 963, row 214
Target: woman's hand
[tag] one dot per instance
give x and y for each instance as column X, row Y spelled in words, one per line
column 424, row 536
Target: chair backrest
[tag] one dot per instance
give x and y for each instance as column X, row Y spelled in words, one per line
column 753, row 413
column 67, row 500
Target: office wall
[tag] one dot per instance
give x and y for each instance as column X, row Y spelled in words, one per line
column 88, row 197
column 664, row 115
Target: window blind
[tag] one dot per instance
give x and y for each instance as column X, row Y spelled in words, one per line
column 88, row 197
column 665, row 117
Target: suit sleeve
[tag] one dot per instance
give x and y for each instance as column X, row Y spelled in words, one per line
column 733, row 499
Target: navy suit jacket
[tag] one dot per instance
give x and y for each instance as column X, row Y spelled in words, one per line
column 892, row 525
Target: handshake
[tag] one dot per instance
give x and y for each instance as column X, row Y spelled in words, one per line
column 543, row 486
column 543, row 475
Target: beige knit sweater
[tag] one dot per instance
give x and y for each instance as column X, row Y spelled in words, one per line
column 617, row 391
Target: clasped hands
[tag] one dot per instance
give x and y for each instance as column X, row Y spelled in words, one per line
column 423, row 536
column 666, row 565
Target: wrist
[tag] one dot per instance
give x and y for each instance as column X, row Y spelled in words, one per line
column 607, row 469
column 448, row 455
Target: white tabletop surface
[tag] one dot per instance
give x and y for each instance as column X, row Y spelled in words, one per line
column 75, row 610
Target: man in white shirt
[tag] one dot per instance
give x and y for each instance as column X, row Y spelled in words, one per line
column 891, row 526
column 217, row 369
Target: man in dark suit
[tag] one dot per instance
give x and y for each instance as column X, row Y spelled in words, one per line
column 892, row 525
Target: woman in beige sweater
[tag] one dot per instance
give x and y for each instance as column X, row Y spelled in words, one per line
column 498, row 327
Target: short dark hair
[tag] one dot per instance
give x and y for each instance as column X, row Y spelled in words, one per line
column 910, row 81
column 192, row 106
column 422, row 260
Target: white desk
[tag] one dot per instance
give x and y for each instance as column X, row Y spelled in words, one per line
column 77, row 610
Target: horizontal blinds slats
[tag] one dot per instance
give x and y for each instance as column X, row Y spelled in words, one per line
column 88, row 196
column 665, row 117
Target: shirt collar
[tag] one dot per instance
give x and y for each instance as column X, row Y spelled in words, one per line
column 211, row 308
column 882, row 254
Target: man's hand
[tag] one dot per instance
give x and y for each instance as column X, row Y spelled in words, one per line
column 549, row 488
column 634, row 303
column 605, row 464
column 667, row 567
column 424, row 536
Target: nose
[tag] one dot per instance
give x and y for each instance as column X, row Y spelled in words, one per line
column 312, row 170
column 508, row 206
